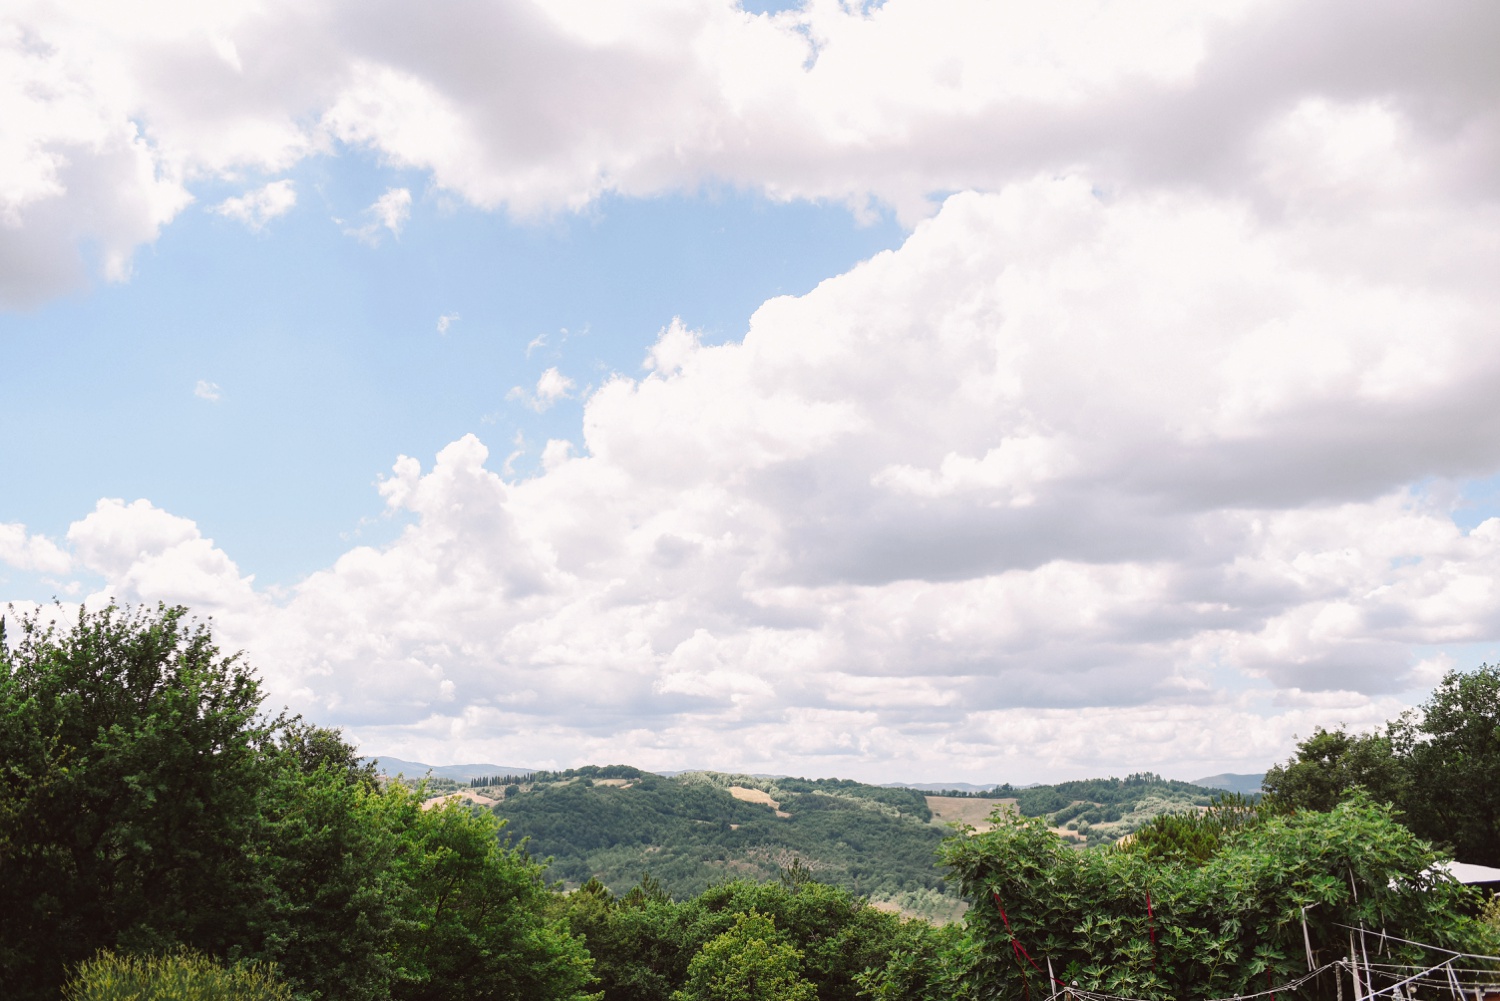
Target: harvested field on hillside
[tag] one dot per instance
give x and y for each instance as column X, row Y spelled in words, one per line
column 757, row 796
column 965, row 810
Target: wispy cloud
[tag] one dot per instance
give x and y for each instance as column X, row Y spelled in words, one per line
column 445, row 321
column 388, row 214
column 258, row 207
column 209, row 391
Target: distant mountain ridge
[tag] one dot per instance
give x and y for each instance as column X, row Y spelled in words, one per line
column 387, row 765
column 1246, row 783
column 1233, row 782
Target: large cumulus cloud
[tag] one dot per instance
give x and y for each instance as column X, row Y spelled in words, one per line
column 113, row 113
column 1073, row 479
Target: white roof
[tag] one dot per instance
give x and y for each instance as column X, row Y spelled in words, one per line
column 1470, row 874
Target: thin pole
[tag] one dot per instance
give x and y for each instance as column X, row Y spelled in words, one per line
column 1306, row 940
column 1354, row 969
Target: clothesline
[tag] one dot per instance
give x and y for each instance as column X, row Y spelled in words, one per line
column 1390, row 990
column 1421, row 945
column 1444, row 975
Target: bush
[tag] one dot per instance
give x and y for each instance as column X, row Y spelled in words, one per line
column 749, row 962
column 178, row 976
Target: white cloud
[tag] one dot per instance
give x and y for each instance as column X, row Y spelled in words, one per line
column 147, row 555
column 550, row 387
column 392, row 209
column 535, row 107
column 256, row 208
column 1125, row 459
column 209, row 391
column 445, row 321
column 24, row 551
column 1065, row 483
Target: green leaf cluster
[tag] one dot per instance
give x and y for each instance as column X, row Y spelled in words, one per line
column 177, row 976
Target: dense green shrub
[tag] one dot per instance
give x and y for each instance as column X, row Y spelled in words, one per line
column 644, row 943
column 175, row 976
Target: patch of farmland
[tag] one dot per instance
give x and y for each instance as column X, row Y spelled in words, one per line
column 969, row 810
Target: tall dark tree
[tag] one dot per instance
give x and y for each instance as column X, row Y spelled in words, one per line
column 1330, row 765
column 131, row 765
column 1450, row 750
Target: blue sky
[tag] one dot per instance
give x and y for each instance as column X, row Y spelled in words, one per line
column 327, row 355
column 939, row 391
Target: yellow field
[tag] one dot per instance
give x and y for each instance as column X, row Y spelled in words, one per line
column 965, row 810
column 757, row 796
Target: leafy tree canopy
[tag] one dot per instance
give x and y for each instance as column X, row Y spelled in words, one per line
column 748, row 962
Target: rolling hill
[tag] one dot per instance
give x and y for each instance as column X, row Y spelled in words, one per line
column 694, row 829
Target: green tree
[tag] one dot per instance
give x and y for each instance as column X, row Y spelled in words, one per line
column 644, row 942
column 1330, row 765
column 749, row 962
column 147, row 805
column 474, row 919
column 131, row 765
column 327, row 898
column 1438, row 765
column 1450, row 751
column 1194, row 838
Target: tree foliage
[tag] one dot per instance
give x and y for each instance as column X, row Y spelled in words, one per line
column 748, row 962
column 1438, row 765
column 644, row 943
column 131, row 753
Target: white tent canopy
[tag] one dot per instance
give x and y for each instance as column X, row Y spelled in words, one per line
column 1471, row 874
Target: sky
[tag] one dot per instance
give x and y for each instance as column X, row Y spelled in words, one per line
column 926, row 390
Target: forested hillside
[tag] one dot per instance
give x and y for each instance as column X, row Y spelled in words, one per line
column 690, row 831
column 694, row 830
column 1100, row 811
